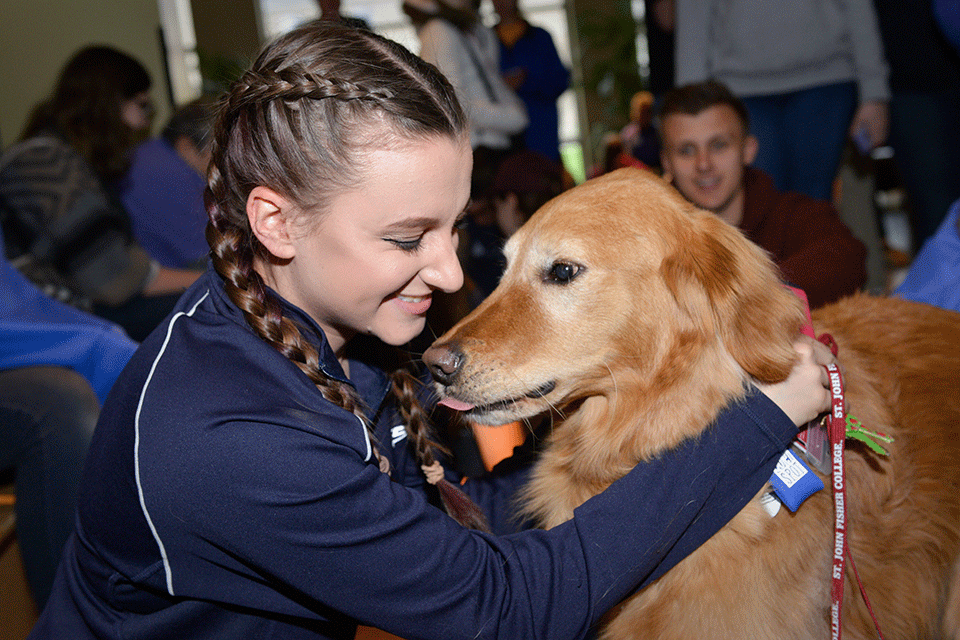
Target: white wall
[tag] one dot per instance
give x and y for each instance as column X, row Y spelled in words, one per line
column 38, row 36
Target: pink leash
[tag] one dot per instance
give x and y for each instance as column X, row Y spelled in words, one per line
column 837, row 433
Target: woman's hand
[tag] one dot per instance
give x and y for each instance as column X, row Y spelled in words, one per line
column 805, row 393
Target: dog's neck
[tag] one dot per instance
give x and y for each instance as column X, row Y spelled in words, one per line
column 603, row 436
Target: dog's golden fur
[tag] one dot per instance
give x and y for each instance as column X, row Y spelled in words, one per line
column 635, row 317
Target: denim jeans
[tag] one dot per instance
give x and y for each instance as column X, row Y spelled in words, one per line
column 47, row 416
column 802, row 135
column 925, row 135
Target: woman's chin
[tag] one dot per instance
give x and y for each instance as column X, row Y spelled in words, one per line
column 399, row 336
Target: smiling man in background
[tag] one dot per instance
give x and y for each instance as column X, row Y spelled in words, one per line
column 707, row 151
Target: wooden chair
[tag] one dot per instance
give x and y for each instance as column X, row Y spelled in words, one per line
column 17, row 610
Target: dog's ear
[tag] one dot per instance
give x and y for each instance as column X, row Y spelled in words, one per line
column 728, row 286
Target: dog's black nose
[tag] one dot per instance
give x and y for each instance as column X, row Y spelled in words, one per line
column 444, row 362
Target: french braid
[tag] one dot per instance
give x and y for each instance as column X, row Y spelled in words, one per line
column 457, row 504
column 295, row 122
column 262, row 311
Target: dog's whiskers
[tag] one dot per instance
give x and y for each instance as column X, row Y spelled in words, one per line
column 521, row 383
column 555, row 409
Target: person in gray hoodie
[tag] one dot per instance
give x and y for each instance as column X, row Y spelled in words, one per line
column 811, row 73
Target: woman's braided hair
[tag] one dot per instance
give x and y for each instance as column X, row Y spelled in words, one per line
column 295, row 122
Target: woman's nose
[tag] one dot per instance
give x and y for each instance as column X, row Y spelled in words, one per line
column 443, row 270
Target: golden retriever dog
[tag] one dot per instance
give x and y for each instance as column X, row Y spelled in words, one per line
column 634, row 318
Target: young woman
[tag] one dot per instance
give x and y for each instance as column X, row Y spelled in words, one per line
column 58, row 183
column 248, row 479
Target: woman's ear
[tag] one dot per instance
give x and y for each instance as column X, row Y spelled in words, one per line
column 270, row 216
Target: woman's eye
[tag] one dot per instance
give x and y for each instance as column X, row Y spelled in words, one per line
column 563, row 272
column 406, row 245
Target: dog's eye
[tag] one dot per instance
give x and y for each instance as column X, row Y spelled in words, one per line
column 563, row 272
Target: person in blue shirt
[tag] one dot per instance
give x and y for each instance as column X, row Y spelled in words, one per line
column 57, row 365
column 532, row 67
column 934, row 274
column 256, row 475
column 162, row 189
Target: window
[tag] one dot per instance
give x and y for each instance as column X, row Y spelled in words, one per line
column 180, row 42
column 388, row 19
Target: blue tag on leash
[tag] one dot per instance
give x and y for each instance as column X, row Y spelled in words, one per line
column 793, row 481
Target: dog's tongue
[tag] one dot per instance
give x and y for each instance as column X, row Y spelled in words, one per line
column 456, row 405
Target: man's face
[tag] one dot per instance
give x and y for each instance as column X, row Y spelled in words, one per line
column 705, row 156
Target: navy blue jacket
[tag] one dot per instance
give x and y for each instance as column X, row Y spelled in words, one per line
column 224, row 498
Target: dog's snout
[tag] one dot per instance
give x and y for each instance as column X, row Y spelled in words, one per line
column 444, row 361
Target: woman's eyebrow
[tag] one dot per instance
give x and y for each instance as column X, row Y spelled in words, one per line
column 419, row 222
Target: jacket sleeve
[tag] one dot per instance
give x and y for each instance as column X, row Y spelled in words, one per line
column 690, row 493
column 868, row 58
column 322, row 532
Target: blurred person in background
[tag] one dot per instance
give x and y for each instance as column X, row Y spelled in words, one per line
column 163, row 188
column 707, row 150
column 453, row 39
column 532, row 67
column 811, row 73
column 63, row 216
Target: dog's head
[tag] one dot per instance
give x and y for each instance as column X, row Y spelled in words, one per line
column 618, row 286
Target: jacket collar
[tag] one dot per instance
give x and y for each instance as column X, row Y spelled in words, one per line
column 369, row 380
